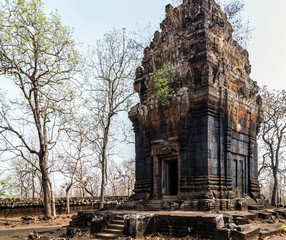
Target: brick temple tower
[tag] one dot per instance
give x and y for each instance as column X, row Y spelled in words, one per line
column 202, row 144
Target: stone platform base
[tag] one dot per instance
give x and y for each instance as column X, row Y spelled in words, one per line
column 196, row 205
column 235, row 225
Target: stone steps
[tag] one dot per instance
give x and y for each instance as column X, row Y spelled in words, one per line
column 113, row 229
column 120, row 222
column 154, row 205
column 262, row 214
column 115, row 226
column 106, row 236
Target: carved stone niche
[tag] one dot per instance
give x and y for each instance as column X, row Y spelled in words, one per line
column 166, row 169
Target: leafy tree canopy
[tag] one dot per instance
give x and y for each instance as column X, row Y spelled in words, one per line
column 6, row 187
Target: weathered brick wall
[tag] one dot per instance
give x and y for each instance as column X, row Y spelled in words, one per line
column 23, row 207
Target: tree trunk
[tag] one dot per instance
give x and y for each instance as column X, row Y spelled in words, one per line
column 104, row 163
column 68, row 200
column 22, row 187
column 33, row 185
column 46, row 195
column 103, row 183
column 68, row 197
column 45, row 184
column 53, row 203
column 90, row 192
column 83, row 193
column 275, row 187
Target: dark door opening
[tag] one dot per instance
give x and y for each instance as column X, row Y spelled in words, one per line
column 169, row 177
column 239, row 180
column 173, row 178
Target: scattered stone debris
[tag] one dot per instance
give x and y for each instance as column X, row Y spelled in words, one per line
column 34, row 236
column 158, row 237
column 28, row 218
column 280, row 236
column 37, row 236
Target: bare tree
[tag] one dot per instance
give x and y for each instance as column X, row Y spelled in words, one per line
column 76, row 151
column 91, row 183
column 121, row 177
column 38, row 54
column 26, row 178
column 241, row 27
column 129, row 173
column 273, row 136
column 111, row 67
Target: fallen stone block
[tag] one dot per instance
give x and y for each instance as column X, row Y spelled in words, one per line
column 246, row 232
column 270, row 229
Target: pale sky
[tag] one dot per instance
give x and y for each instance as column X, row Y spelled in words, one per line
column 268, row 46
column 92, row 18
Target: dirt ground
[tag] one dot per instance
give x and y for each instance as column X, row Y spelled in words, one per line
column 34, row 228
column 21, row 228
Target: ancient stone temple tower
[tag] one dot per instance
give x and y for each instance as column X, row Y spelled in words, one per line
column 202, row 143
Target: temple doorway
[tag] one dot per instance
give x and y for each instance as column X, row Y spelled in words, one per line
column 169, row 176
column 240, row 176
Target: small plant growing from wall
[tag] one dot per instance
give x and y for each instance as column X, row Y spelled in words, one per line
column 162, row 80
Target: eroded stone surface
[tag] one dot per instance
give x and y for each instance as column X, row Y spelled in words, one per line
column 207, row 132
column 215, row 226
